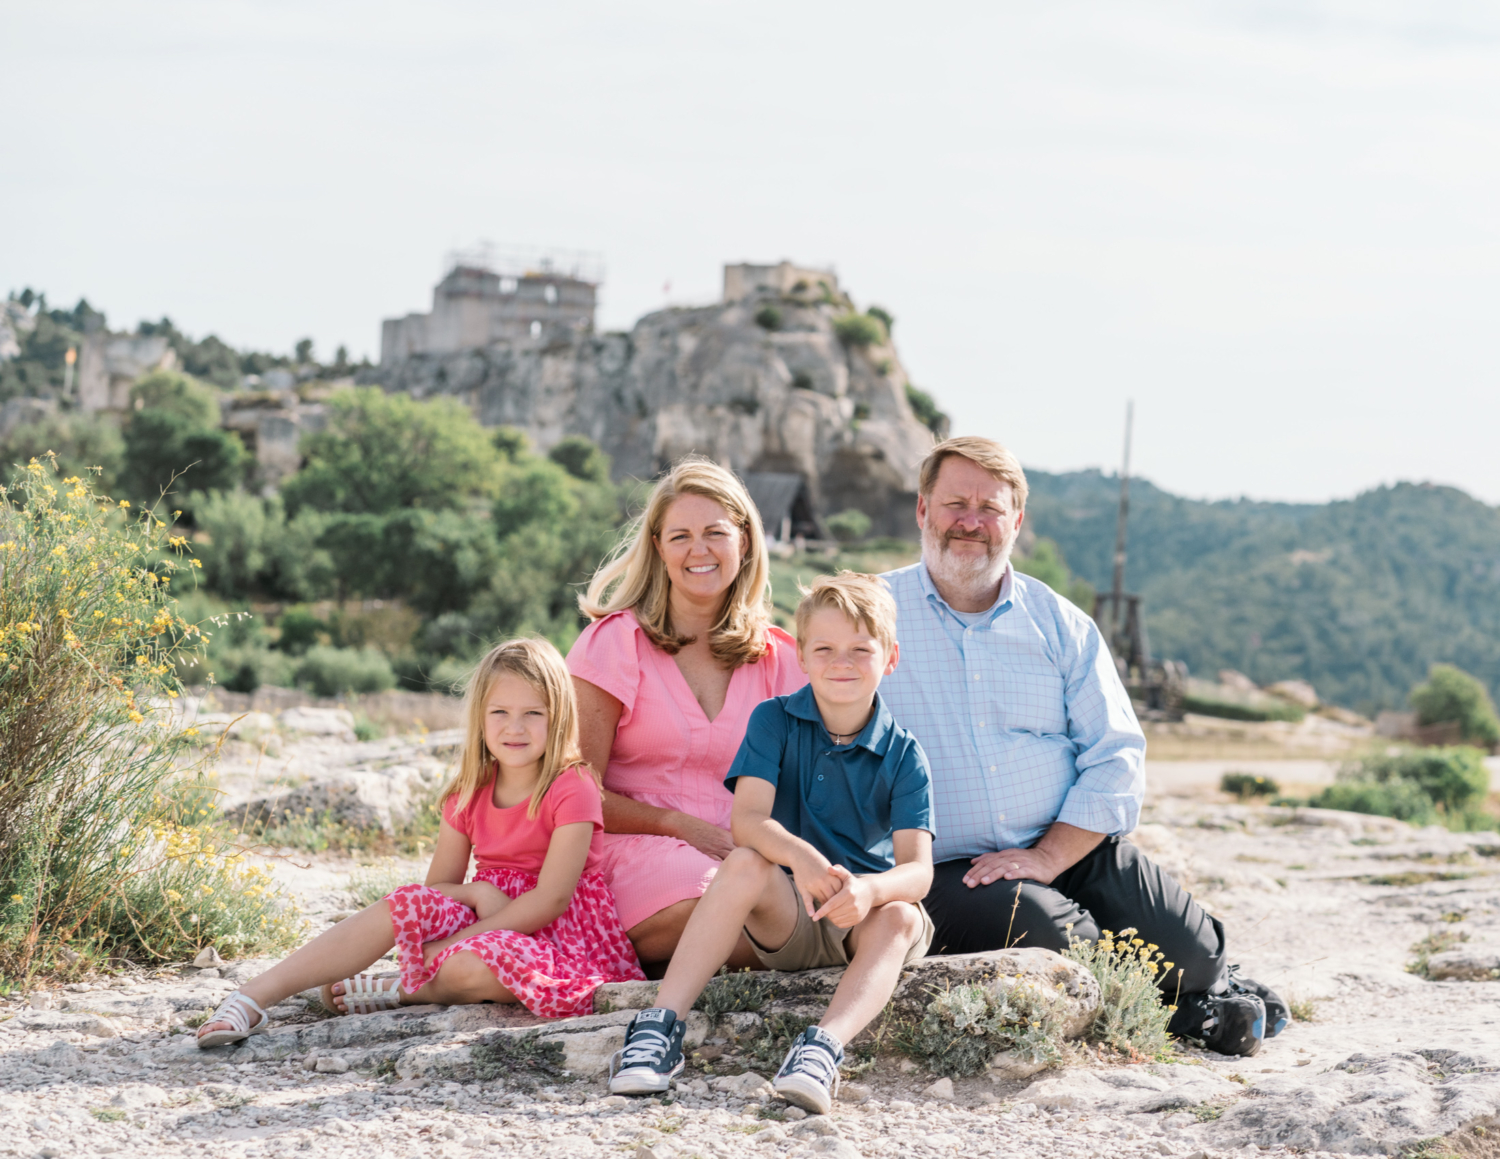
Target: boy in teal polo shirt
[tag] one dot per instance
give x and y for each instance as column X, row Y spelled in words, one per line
column 833, row 823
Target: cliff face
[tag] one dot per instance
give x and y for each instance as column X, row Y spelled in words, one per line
column 712, row 380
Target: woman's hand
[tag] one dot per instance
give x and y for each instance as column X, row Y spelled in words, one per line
column 431, row 950
column 702, row 836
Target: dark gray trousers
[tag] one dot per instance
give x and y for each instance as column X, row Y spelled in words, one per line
column 1113, row 887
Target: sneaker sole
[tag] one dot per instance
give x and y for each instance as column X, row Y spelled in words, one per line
column 642, row 1083
column 804, row 1093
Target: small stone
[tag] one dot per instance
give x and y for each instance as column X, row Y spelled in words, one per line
column 212, row 972
column 816, row 1127
column 794, row 1113
column 768, row 1134
column 942, row 1090
column 743, row 1086
column 614, row 1101
column 207, row 957
column 331, row 1064
column 854, row 1093
column 837, row 1148
column 907, row 1066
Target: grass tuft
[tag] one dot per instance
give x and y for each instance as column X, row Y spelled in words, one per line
column 1437, row 942
column 520, row 1061
column 727, row 993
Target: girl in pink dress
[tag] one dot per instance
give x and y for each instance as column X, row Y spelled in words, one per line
column 681, row 649
column 536, row 925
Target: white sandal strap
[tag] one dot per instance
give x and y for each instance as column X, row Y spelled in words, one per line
column 363, row 993
column 236, row 1010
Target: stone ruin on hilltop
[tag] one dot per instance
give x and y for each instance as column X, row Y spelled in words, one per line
column 773, row 381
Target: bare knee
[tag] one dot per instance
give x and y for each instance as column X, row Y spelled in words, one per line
column 898, row 918
column 465, row 976
column 745, row 864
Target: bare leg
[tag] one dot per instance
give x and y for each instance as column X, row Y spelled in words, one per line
column 877, row 947
column 656, row 938
column 747, row 890
column 462, row 979
column 345, row 949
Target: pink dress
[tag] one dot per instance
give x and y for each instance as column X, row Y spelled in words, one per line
column 555, row 971
column 668, row 754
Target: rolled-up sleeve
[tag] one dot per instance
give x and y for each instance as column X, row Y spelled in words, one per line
column 1109, row 746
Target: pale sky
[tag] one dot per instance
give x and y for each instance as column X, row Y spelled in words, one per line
column 1273, row 225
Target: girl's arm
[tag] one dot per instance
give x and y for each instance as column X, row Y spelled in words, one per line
column 450, row 860
column 567, row 852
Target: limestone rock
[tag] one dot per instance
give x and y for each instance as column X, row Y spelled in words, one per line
column 1369, row 1104
column 793, row 399
column 1007, row 1064
column 1131, row 1090
column 743, row 1086
column 208, row 956
column 942, row 1090
column 334, row 722
column 1464, row 965
column 359, row 798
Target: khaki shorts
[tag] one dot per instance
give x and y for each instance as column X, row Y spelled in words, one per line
column 815, row 944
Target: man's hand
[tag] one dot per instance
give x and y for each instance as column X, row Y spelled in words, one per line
column 851, row 905
column 703, row 837
column 1013, row 865
column 814, row 878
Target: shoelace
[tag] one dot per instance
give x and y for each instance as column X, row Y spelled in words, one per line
column 814, row 1059
column 646, row 1048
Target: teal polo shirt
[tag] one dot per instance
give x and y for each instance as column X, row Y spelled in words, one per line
column 843, row 800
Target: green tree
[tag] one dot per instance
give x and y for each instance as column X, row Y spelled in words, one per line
column 849, row 525
column 859, row 330
column 885, row 317
column 1451, row 695
column 581, row 458
column 382, row 452
column 926, row 409
column 1045, row 562
column 173, row 431
column 86, row 445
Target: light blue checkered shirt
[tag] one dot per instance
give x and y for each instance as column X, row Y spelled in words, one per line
column 1021, row 713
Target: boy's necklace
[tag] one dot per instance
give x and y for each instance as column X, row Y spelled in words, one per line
column 843, row 738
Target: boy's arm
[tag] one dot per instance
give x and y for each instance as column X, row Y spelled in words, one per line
column 909, row 880
column 752, row 826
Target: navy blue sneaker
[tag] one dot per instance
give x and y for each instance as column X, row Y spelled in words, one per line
column 1233, row 1022
column 1278, row 1013
column 652, row 1055
column 810, row 1075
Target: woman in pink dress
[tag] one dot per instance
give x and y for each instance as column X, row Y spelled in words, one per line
column 681, row 649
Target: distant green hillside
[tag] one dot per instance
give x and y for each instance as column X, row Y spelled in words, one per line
column 1359, row 597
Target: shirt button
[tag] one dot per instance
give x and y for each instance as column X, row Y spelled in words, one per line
column 820, row 776
column 981, row 724
column 976, row 676
column 992, row 769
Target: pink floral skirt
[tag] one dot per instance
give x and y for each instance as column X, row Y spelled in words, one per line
column 554, row 972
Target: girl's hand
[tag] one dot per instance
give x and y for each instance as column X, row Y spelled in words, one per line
column 703, row 837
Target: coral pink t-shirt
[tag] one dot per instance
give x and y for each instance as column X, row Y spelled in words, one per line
column 508, row 839
column 666, row 752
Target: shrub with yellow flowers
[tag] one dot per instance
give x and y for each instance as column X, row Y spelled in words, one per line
column 94, row 855
column 1132, row 1018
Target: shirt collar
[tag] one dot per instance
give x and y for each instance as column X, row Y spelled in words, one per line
column 1002, row 601
column 875, row 736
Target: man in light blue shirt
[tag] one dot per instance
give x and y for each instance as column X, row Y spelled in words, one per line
column 1038, row 762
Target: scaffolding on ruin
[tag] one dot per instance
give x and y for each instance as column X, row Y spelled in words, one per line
column 521, row 261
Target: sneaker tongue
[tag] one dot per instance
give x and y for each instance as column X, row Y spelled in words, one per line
column 827, row 1041
column 657, row 1014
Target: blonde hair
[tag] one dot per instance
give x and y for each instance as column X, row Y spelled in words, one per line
column 636, row 578
column 863, row 599
column 986, row 453
column 541, row 665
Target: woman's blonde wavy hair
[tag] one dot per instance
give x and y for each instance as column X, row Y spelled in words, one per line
column 541, row 665
column 636, row 578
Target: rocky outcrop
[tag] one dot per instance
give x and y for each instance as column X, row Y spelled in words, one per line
column 782, row 394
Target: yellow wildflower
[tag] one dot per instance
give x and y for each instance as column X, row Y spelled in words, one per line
column 124, row 502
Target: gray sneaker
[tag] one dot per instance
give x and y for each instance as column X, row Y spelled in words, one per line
column 810, row 1075
column 652, row 1055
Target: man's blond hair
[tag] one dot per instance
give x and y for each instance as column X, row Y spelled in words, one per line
column 864, row 601
column 985, row 453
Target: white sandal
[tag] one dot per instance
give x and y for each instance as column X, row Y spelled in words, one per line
column 363, row 994
column 235, row 1010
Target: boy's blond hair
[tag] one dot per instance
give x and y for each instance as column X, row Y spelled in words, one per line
column 863, row 599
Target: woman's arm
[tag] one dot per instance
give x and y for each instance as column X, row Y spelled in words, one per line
column 450, row 860
column 567, row 852
column 598, row 719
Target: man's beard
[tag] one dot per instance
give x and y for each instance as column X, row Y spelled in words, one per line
column 973, row 575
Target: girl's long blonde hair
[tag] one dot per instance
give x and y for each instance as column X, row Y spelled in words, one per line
column 636, row 578
column 541, row 665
